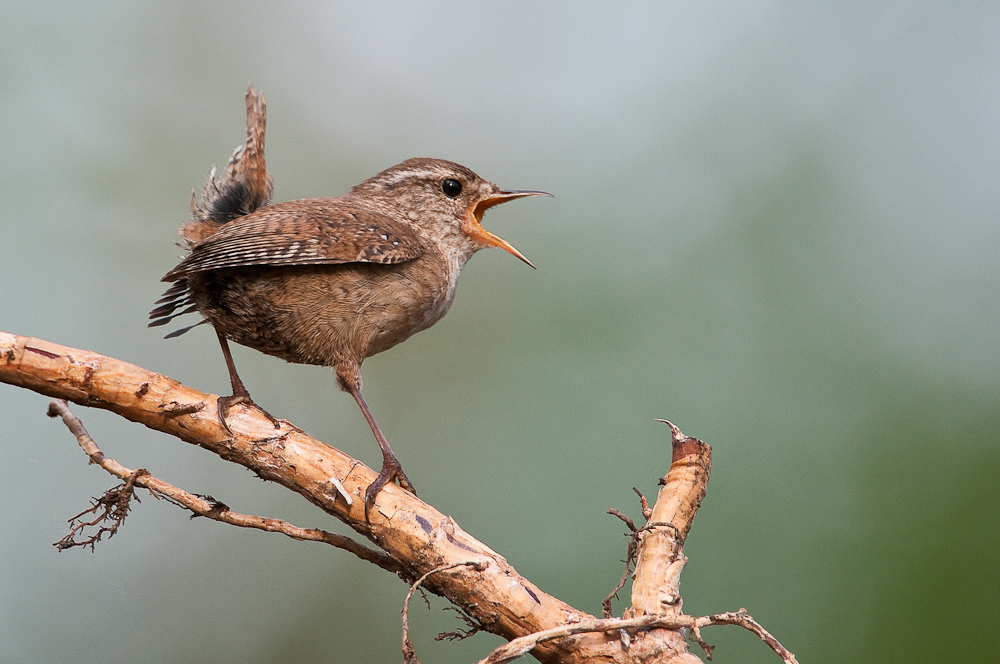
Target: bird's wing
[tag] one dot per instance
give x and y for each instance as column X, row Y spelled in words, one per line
column 307, row 232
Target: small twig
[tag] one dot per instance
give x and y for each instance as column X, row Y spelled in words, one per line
column 695, row 635
column 522, row 645
column 743, row 619
column 409, row 653
column 675, row 533
column 209, row 507
column 460, row 635
column 115, row 504
column 647, row 511
column 628, row 522
column 606, row 602
column 629, row 558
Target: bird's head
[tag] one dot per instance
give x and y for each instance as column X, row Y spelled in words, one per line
column 443, row 198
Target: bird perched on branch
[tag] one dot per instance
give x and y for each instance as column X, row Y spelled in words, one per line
column 328, row 281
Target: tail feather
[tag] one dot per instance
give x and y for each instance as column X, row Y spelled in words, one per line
column 244, row 187
column 176, row 297
column 165, row 317
column 177, row 333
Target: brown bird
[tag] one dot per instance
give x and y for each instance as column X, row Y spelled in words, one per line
column 329, row 281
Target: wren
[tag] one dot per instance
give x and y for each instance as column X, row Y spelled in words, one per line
column 328, row 281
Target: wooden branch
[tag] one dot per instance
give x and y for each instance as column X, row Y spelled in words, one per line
column 655, row 589
column 660, row 558
column 424, row 545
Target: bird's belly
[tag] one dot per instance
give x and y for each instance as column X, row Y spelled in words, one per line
column 324, row 314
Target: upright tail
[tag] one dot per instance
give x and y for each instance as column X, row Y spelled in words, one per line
column 244, row 187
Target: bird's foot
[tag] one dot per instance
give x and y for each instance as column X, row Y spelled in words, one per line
column 391, row 470
column 225, row 403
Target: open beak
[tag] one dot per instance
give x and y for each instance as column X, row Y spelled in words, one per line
column 473, row 224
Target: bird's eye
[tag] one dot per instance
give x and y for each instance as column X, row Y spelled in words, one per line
column 451, row 187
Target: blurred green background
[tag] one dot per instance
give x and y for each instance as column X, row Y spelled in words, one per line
column 775, row 224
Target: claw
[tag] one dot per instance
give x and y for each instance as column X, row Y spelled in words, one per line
column 225, row 403
column 391, row 471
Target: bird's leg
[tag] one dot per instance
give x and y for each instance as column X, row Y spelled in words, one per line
column 240, row 393
column 391, row 468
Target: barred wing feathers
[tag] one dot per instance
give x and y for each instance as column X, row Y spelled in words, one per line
column 313, row 232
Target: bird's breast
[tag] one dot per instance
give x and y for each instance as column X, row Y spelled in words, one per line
column 421, row 293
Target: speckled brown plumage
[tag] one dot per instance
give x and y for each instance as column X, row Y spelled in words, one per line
column 329, row 281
